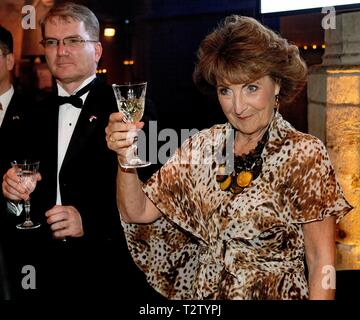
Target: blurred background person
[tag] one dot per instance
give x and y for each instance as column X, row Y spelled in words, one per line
column 13, row 107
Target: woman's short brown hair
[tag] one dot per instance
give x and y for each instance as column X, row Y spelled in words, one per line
column 241, row 50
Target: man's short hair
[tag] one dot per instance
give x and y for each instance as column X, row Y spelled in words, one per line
column 68, row 11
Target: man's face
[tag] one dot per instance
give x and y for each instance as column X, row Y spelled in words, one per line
column 71, row 64
column 6, row 65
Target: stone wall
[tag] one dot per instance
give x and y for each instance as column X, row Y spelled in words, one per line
column 334, row 116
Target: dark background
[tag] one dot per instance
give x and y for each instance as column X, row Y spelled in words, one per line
column 161, row 37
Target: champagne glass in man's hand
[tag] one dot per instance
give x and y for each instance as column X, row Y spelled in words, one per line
column 27, row 170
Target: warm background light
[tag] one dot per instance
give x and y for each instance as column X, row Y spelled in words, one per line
column 109, row 32
column 128, row 62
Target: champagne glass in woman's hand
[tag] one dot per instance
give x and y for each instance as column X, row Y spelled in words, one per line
column 130, row 99
column 26, row 170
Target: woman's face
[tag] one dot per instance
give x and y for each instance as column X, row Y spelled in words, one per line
column 248, row 106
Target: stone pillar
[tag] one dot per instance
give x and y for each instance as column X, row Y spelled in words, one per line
column 334, row 117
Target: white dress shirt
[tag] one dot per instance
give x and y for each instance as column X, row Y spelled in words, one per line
column 5, row 99
column 68, row 117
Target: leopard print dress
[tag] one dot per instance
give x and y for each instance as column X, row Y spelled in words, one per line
column 212, row 244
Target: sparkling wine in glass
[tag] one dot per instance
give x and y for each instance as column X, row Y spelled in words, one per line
column 130, row 99
column 26, row 171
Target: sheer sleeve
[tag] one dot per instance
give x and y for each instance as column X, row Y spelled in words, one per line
column 175, row 191
column 315, row 193
column 168, row 249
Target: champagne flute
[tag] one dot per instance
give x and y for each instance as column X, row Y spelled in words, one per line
column 26, row 170
column 130, row 100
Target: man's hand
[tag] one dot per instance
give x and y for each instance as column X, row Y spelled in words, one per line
column 64, row 221
column 12, row 187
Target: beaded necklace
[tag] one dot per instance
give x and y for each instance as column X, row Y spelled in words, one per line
column 246, row 168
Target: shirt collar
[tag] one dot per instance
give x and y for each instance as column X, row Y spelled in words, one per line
column 6, row 97
column 63, row 93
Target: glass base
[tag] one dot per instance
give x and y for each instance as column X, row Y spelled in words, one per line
column 26, row 225
column 135, row 163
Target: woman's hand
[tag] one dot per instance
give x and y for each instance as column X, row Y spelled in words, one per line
column 120, row 135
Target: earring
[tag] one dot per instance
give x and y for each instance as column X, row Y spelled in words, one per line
column 277, row 103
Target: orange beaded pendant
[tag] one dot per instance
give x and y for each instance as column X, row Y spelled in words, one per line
column 244, row 179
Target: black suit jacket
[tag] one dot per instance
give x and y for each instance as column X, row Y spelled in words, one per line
column 12, row 131
column 87, row 176
column 98, row 263
column 89, row 265
column 12, row 134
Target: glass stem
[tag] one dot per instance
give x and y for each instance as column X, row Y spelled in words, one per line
column 135, row 150
column 27, row 210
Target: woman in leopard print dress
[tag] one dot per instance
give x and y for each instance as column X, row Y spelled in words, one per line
column 239, row 207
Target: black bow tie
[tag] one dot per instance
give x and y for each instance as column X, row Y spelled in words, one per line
column 75, row 99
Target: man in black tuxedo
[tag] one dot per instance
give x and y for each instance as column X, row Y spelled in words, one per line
column 12, row 117
column 12, row 105
column 80, row 249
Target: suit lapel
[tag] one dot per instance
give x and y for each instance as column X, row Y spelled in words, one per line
column 52, row 130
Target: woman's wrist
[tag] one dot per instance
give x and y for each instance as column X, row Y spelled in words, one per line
column 126, row 170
